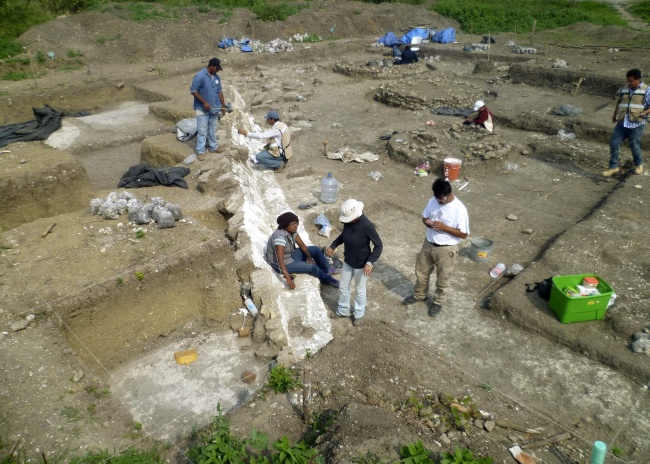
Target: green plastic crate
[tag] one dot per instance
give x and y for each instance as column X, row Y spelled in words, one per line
column 583, row 308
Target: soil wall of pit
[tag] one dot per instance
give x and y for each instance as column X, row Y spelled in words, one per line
column 120, row 319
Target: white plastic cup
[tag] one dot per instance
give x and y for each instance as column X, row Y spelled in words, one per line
column 498, row 270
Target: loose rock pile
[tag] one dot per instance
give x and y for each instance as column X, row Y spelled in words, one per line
column 163, row 213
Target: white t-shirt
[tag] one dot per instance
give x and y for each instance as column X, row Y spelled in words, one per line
column 453, row 214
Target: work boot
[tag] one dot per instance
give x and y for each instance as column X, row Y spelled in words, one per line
column 638, row 170
column 201, row 157
column 611, row 172
column 409, row 300
column 219, row 150
column 280, row 168
column 357, row 322
column 435, row 309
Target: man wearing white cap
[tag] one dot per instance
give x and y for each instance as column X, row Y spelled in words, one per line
column 358, row 233
column 278, row 151
column 484, row 117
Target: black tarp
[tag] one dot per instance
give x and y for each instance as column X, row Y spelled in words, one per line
column 144, row 175
column 47, row 120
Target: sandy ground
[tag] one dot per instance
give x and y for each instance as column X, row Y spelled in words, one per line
column 507, row 351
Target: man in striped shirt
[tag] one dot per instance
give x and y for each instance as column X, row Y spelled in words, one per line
column 630, row 117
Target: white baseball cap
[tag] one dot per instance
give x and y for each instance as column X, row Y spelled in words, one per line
column 350, row 210
column 478, row 104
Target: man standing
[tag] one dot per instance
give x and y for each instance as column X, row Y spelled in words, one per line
column 630, row 117
column 278, row 151
column 208, row 103
column 447, row 224
column 484, row 118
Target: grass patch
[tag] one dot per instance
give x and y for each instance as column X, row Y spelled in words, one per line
column 407, row 2
column 281, row 379
column 103, row 39
column 128, row 456
column 9, row 48
column 18, row 75
column 73, row 66
column 481, row 17
column 641, row 9
column 274, row 11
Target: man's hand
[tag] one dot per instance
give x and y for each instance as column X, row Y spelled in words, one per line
column 329, row 251
column 291, row 283
column 437, row 225
column 223, row 111
column 428, row 223
column 206, row 106
column 614, row 119
column 310, row 260
column 367, row 270
column 242, row 132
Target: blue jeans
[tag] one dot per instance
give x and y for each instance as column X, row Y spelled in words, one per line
column 207, row 126
column 318, row 269
column 360, row 280
column 634, row 138
column 269, row 161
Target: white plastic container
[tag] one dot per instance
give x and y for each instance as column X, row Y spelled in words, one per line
column 251, row 307
column 498, row 270
column 328, row 189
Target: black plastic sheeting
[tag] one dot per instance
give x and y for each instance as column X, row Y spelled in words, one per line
column 144, row 175
column 47, row 120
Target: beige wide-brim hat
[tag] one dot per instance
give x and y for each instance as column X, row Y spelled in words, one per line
column 350, row 210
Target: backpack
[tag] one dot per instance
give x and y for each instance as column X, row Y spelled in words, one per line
column 543, row 288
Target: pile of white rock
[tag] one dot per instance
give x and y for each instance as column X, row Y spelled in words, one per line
column 162, row 212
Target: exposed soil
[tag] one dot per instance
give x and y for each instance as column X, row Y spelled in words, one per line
column 93, row 312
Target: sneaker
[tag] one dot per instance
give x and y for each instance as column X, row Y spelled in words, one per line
column 280, row 168
column 332, row 270
column 357, row 322
column 333, row 283
column 336, row 315
column 611, row 172
column 409, row 300
column 201, row 157
column 434, row 310
column 638, row 170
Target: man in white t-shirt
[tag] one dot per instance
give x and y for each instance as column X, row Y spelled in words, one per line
column 447, row 224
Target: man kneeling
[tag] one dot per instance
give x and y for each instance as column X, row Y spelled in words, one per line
column 277, row 151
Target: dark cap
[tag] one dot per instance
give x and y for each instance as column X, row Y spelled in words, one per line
column 272, row 115
column 216, row 62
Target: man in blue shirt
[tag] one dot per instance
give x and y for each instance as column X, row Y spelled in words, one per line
column 208, row 103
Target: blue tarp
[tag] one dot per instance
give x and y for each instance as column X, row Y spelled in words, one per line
column 418, row 32
column 445, row 36
column 244, row 44
column 389, row 40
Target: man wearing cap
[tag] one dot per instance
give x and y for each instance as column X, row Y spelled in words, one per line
column 277, row 151
column 359, row 259
column 208, row 104
column 630, row 116
column 408, row 56
column 484, row 117
column 447, row 224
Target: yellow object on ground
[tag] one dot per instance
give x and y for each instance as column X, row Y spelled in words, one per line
column 186, row 356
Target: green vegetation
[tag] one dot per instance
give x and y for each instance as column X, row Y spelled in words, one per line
column 139, row 275
column 19, row 75
column 75, row 53
column 128, row 456
column 414, row 453
column 408, row 2
column 618, row 452
column 312, row 38
column 103, row 39
column 219, row 446
column 481, row 17
column 641, row 9
column 463, row 457
column 140, row 233
column 40, row 57
column 274, row 11
column 319, row 425
column 9, row 48
column 119, row 281
column 282, row 379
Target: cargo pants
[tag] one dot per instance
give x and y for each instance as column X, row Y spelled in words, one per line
column 430, row 257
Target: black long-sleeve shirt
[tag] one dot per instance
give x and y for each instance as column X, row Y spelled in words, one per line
column 356, row 237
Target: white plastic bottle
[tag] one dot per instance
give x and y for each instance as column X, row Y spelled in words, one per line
column 251, row 307
column 328, row 189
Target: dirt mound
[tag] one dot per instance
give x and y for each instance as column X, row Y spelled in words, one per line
column 107, row 38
